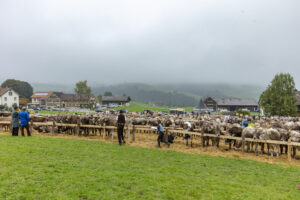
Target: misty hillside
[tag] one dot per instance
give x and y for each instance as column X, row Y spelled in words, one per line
column 181, row 94
column 165, row 94
column 53, row 87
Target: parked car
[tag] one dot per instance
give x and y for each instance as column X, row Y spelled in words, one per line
column 99, row 110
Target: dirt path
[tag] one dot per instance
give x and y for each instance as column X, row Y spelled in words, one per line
column 149, row 141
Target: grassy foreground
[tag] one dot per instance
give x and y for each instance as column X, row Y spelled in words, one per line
column 54, row 168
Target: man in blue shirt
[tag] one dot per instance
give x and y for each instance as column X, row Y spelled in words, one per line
column 24, row 118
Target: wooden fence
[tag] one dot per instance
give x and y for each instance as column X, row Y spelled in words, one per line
column 133, row 129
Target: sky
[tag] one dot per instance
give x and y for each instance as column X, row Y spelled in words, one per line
column 163, row 41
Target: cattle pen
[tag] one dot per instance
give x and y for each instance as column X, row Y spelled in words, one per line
column 131, row 130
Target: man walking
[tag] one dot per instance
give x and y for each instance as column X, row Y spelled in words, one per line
column 24, row 118
column 161, row 134
column 15, row 121
column 121, row 123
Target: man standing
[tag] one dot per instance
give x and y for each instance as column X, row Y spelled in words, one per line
column 121, row 124
column 15, row 121
column 24, row 117
column 161, row 134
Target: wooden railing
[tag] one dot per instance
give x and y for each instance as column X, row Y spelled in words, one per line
column 133, row 129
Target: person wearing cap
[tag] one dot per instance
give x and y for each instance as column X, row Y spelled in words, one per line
column 121, row 123
column 24, row 118
column 15, row 121
column 161, row 133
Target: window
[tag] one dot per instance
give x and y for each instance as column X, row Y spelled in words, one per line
column 15, row 98
column 5, row 98
column 10, row 93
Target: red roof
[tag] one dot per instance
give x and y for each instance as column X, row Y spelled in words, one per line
column 41, row 95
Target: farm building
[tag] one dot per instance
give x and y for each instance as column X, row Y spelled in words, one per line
column 8, row 97
column 76, row 100
column 116, row 100
column 231, row 104
column 40, row 98
column 201, row 107
column 61, row 100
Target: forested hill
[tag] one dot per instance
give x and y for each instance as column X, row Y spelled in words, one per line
column 165, row 94
column 179, row 94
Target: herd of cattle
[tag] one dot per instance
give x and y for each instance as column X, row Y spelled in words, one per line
column 275, row 128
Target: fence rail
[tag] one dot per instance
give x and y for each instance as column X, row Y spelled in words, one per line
column 177, row 131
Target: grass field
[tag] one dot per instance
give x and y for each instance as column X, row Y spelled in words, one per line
column 134, row 107
column 54, row 168
column 140, row 107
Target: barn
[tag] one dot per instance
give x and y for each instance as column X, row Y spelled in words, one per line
column 116, row 100
column 231, row 104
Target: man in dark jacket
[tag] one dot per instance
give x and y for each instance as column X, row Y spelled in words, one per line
column 161, row 134
column 121, row 123
column 24, row 118
column 15, row 121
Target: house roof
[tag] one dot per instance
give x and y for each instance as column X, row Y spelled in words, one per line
column 116, row 98
column 74, row 97
column 41, row 95
column 236, row 102
column 298, row 98
column 4, row 90
column 201, row 105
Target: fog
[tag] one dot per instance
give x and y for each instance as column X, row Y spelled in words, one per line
column 107, row 42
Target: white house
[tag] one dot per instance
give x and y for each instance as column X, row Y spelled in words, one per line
column 8, row 97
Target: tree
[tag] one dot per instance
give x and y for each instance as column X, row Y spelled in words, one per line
column 107, row 93
column 82, row 88
column 24, row 89
column 99, row 99
column 280, row 97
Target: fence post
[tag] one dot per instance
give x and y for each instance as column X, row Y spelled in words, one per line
column 289, row 150
column 53, row 126
column 78, row 127
column 10, row 127
column 243, row 144
column 128, row 131
column 112, row 133
column 31, row 126
column 133, row 133
column 104, row 131
column 202, row 138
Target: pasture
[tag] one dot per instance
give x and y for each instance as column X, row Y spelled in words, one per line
column 140, row 107
column 55, row 168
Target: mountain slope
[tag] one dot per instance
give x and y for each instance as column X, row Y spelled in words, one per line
column 166, row 94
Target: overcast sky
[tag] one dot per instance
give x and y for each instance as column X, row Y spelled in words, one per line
column 105, row 42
